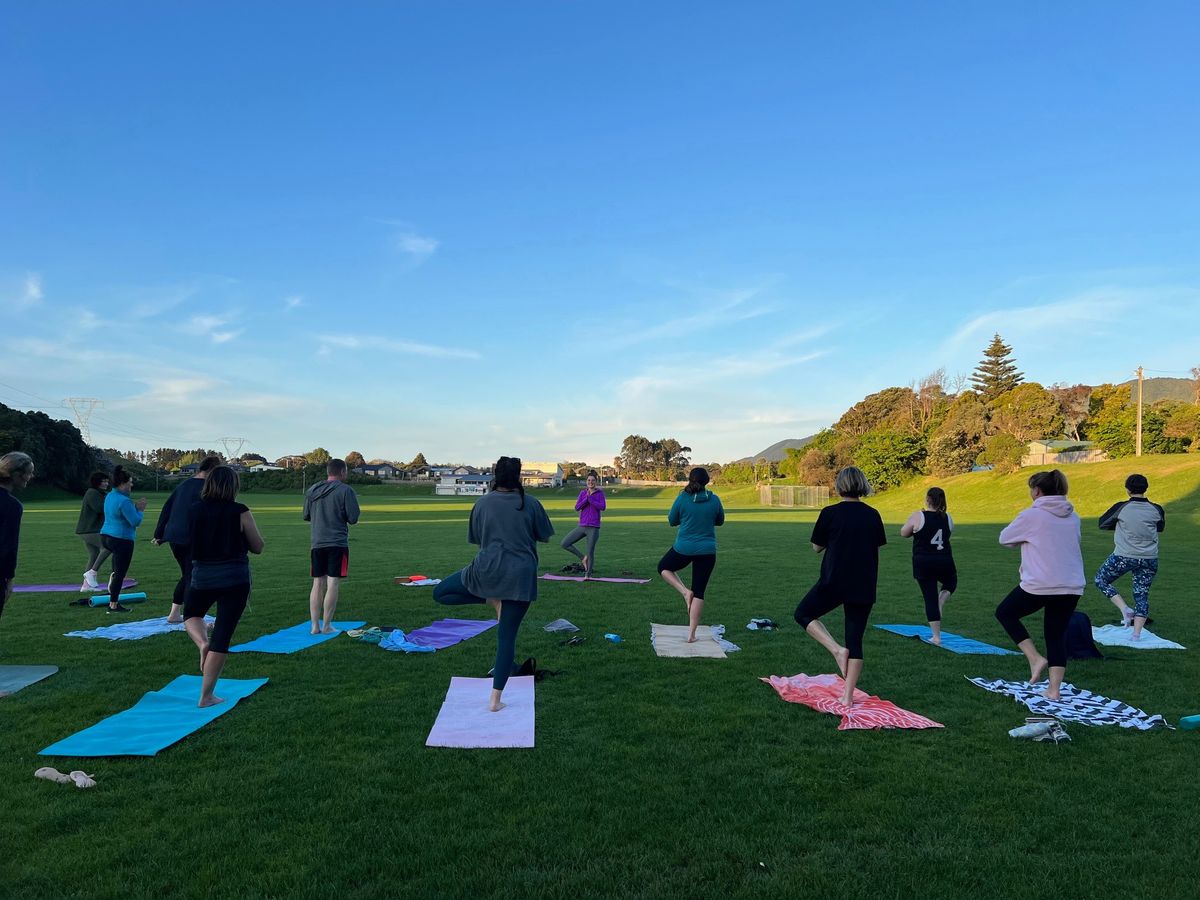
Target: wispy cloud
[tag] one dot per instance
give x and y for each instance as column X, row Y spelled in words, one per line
column 154, row 301
column 732, row 308
column 212, row 327
column 330, row 342
column 293, row 301
column 1085, row 313
column 29, row 293
column 416, row 246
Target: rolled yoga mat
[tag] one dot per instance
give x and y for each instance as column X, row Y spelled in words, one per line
column 102, row 599
column 63, row 588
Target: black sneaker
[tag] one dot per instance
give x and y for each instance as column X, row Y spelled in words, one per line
column 118, row 608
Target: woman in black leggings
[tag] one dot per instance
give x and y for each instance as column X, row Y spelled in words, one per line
column 850, row 534
column 122, row 516
column 220, row 532
column 1051, row 576
column 507, row 526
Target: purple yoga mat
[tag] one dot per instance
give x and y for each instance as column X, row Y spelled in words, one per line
column 549, row 577
column 63, row 588
column 448, row 632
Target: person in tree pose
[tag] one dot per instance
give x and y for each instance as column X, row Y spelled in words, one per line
column 507, row 526
column 1137, row 524
column 16, row 470
column 933, row 560
column 331, row 506
column 1052, row 577
column 697, row 513
column 91, row 519
column 122, row 516
column 172, row 528
column 590, row 504
column 848, row 534
column 219, row 533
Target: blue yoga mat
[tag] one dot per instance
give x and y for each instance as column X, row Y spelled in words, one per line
column 955, row 643
column 158, row 720
column 289, row 640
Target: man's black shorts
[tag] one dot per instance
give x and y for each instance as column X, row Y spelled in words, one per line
column 331, row 561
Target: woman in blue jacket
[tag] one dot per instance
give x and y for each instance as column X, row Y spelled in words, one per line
column 122, row 516
column 697, row 512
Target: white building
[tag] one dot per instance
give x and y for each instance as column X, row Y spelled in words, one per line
column 541, row 474
column 462, row 485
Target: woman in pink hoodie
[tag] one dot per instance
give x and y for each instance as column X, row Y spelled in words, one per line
column 1051, row 575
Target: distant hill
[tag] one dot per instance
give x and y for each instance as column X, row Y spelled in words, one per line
column 778, row 451
column 1163, row 389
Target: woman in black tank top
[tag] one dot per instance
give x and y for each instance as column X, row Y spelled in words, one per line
column 933, row 560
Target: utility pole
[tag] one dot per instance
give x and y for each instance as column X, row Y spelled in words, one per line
column 1138, row 450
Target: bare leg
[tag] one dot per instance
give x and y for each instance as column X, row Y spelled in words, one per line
column 212, row 671
column 496, row 705
column 1037, row 662
column 314, row 604
column 1057, row 674
column 935, row 629
column 332, row 588
column 1123, row 608
column 198, row 632
column 853, row 671
column 821, row 635
column 496, row 605
column 942, row 598
column 176, row 615
column 1139, row 622
column 673, row 580
column 695, row 611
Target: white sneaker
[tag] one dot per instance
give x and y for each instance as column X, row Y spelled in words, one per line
column 89, row 581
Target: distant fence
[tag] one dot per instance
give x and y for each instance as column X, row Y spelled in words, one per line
column 1069, row 456
column 793, row 496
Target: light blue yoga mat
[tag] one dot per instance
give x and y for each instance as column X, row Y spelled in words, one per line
column 289, row 640
column 133, row 631
column 158, row 720
column 13, row 678
column 955, row 643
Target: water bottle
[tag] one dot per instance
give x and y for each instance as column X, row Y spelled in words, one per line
column 1032, row 730
column 614, row 638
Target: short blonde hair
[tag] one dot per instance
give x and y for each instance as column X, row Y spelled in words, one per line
column 851, row 482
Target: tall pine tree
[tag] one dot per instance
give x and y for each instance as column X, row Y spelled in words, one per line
column 996, row 372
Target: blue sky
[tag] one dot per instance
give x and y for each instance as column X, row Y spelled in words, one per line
column 534, row 228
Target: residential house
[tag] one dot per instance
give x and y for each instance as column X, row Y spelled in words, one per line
column 379, row 470
column 541, row 474
column 293, row 461
column 459, row 485
column 1052, row 453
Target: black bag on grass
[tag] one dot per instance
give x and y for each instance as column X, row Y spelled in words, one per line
column 1079, row 638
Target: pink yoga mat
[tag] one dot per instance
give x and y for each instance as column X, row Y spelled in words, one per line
column 822, row 693
column 465, row 720
column 549, row 577
column 64, row 588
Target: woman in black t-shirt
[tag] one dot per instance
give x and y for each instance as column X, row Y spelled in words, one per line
column 933, row 561
column 221, row 531
column 849, row 534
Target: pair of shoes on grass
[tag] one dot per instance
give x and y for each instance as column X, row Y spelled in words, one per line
column 118, row 608
column 79, row 778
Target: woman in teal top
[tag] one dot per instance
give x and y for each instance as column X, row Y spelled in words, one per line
column 697, row 512
column 122, row 516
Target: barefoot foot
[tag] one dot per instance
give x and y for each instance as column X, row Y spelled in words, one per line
column 328, row 629
column 316, row 629
column 843, row 659
column 171, row 621
column 848, row 701
column 496, row 706
column 496, row 605
column 1051, row 694
column 936, row 640
column 1037, row 670
column 210, row 701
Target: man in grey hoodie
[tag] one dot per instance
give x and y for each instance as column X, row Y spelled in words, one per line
column 331, row 506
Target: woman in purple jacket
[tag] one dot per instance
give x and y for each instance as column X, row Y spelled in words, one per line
column 590, row 504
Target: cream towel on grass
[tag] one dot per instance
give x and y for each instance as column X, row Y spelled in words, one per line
column 671, row 640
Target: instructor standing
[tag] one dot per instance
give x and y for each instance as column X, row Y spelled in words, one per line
column 172, row 528
column 331, row 506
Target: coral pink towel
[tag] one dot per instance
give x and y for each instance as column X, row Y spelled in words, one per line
column 822, row 693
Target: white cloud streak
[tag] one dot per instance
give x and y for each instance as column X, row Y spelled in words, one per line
column 331, row 342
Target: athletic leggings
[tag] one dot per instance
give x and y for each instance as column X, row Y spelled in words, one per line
column 97, row 552
column 702, row 568
column 122, row 556
column 452, row 592
column 1143, row 571
column 1020, row 603
column 821, row 600
column 592, row 533
column 231, row 603
column 183, row 556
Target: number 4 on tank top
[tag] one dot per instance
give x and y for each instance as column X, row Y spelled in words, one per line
column 937, row 540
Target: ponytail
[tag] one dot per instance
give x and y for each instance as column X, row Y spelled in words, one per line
column 506, row 476
column 697, row 479
column 120, row 477
column 936, row 498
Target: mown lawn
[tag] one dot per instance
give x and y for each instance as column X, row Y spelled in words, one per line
column 651, row 777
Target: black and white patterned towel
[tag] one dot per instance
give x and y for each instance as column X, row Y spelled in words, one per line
column 1079, row 706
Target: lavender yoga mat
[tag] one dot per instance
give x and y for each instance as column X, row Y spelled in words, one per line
column 448, row 632
column 549, row 577
column 464, row 719
column 62, row 588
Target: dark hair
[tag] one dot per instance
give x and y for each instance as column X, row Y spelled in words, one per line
column 222, row 483
column 506, row 476
column 697, row 479
column 592, row 473
column 209, row 463
column 336, row 467
column 98, row 477
column 1051, row 484
column 1136, row 484
column 120, row 477
column 936, row 498
column 851, row 482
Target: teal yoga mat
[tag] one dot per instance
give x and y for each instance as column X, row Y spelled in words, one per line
column 291, row 640
column 955, row 643
column 102, row 599
column 158, row 720
column 13, row 678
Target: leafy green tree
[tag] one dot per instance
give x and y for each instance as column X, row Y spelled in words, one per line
column 1183, row 423
column 418, row 460
column 1003, row 452
column 354, row 459
column 889, row 407
column 637, row 454
column 890, row 457
column 1028, row 412
column 317, row 457
column 958, row 439
column 1112, row 420
column 1073, row 405
column 737, row 473
column 996, row 372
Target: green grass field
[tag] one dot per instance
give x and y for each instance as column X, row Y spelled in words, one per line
column 651, row 777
